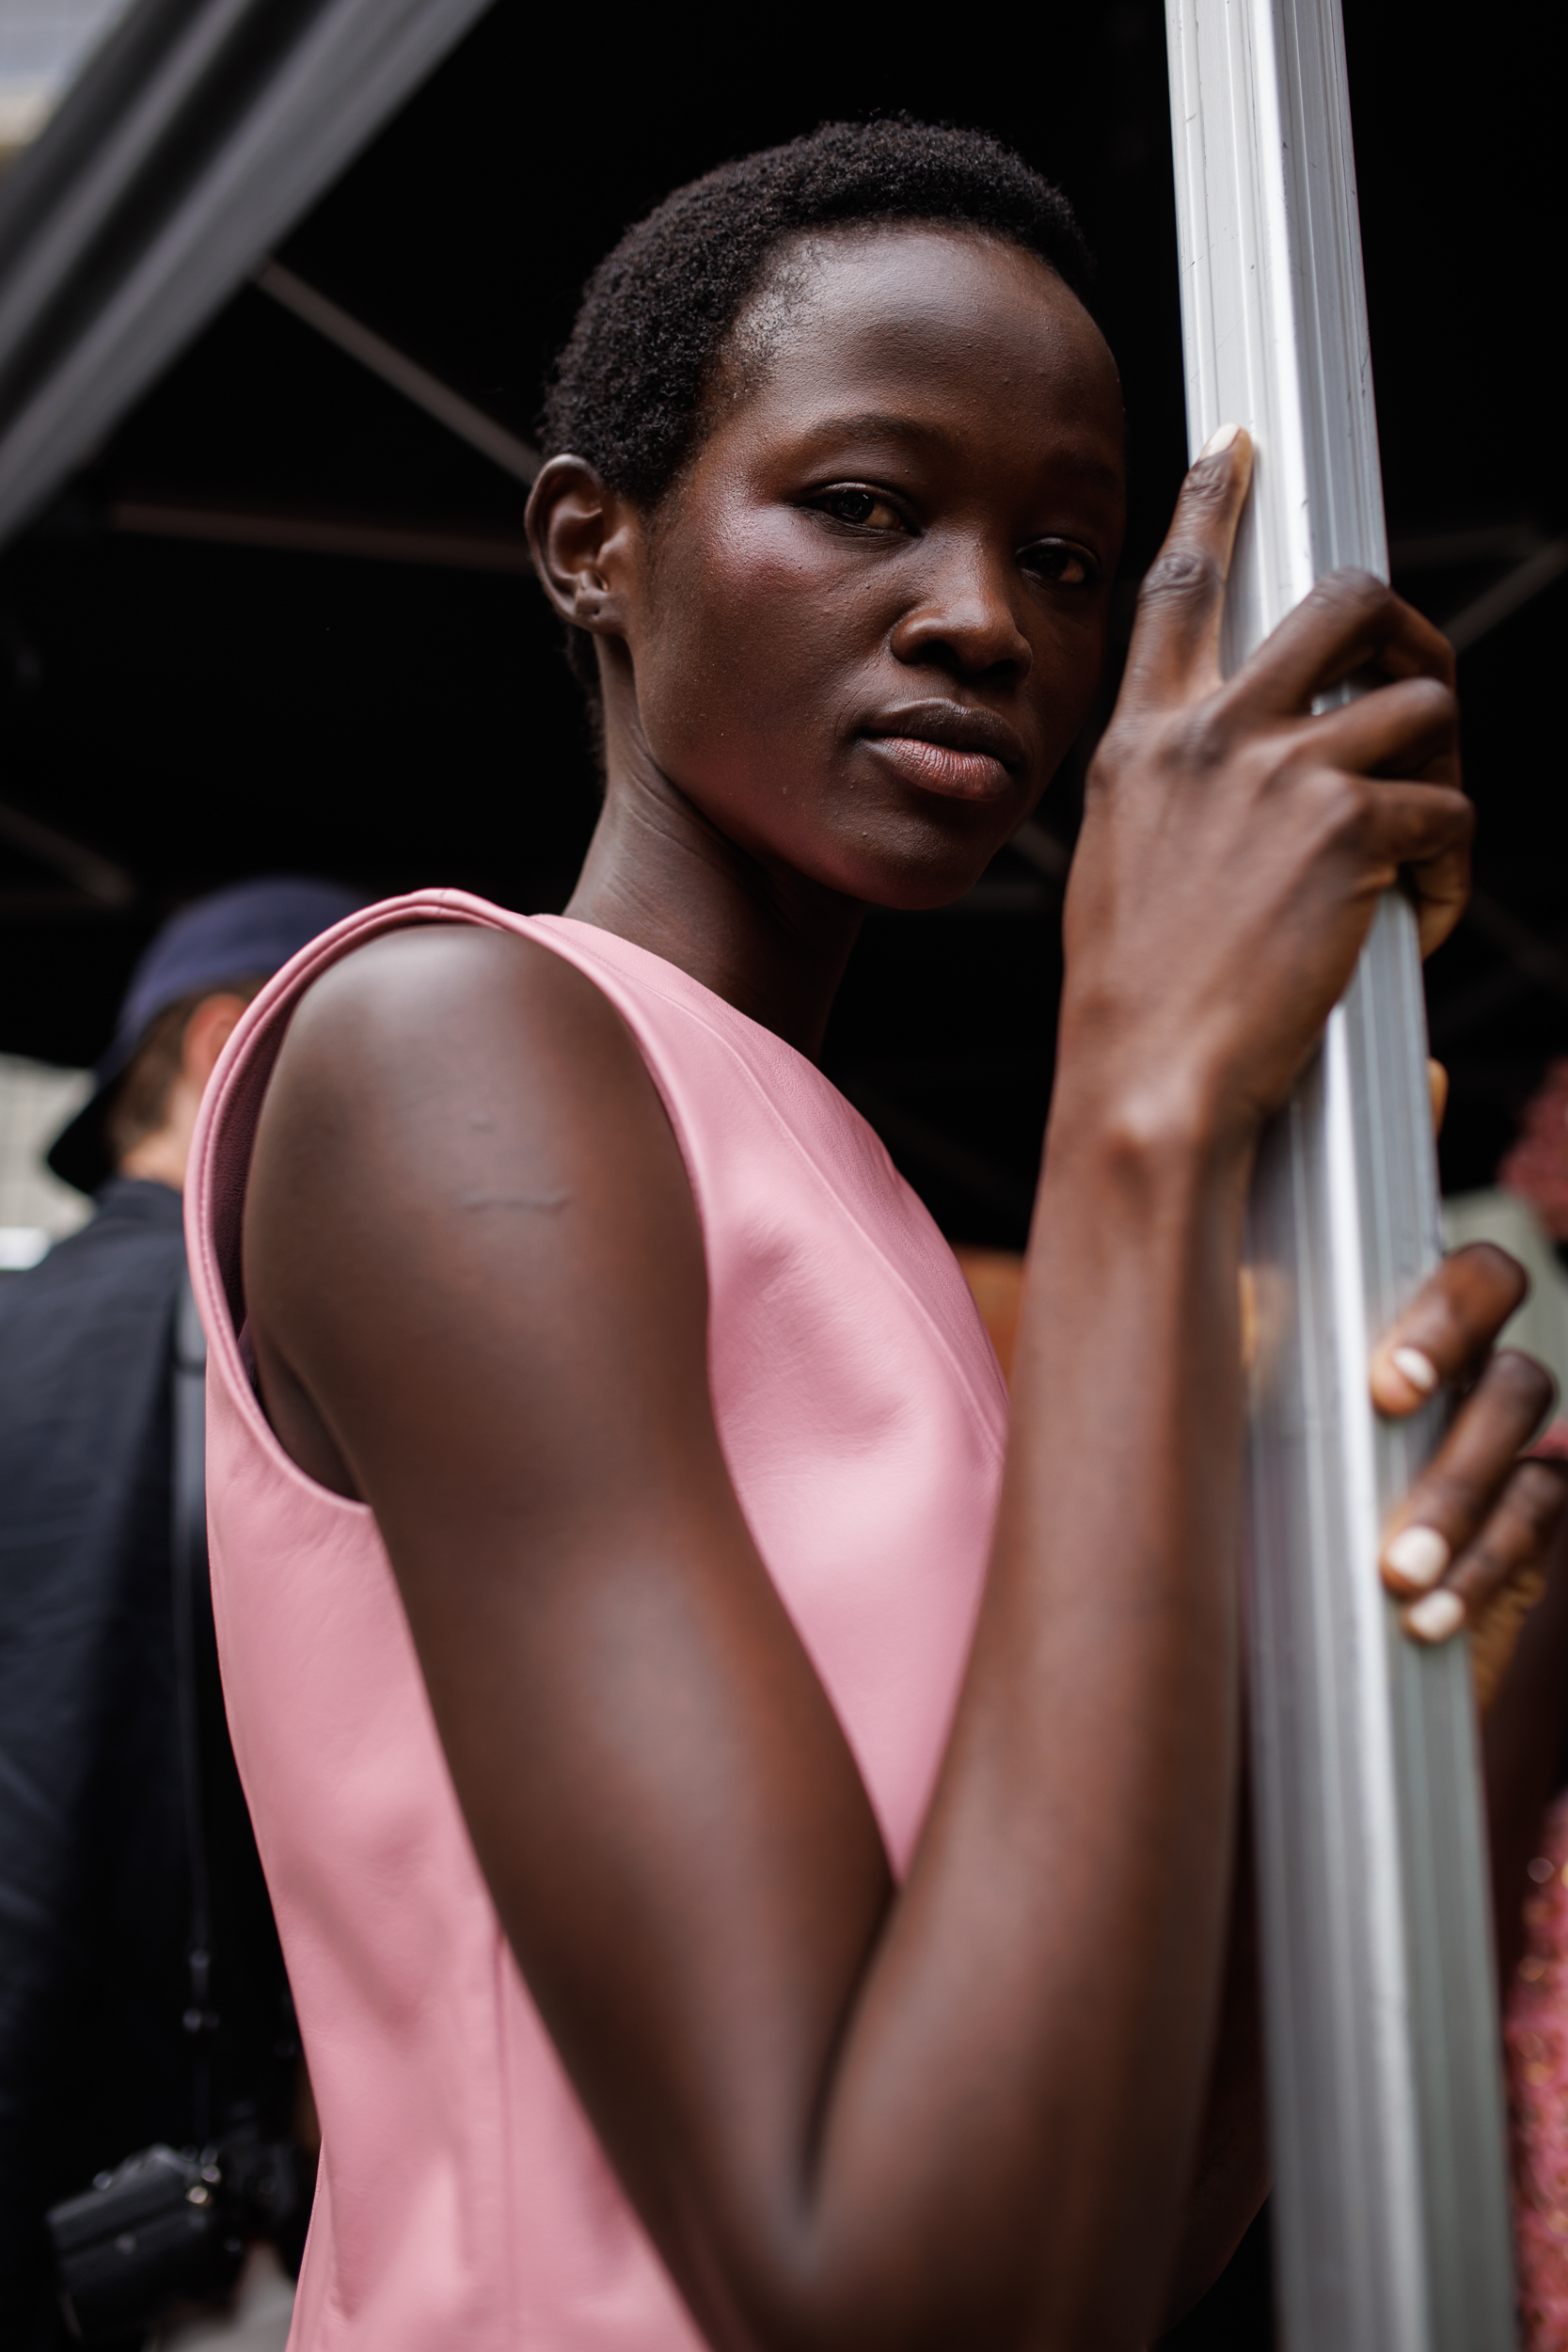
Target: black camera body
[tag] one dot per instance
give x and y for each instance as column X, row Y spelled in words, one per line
column 170, row 2226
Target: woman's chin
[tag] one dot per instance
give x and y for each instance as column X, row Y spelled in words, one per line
column 930, row 861
column 917, row 885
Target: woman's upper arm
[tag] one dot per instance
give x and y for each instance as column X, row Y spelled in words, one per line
column 471, row 1243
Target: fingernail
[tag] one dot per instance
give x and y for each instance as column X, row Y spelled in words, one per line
column 1417, row 1366
column 1419, row 1554
column 1435, row 1618
column 1220, row 438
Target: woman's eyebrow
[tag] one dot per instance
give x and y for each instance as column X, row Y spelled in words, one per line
column 1086, row 468
column 873, row 424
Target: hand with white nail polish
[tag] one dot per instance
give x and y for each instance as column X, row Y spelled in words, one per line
column 1415, row 1367
column 1437, row 1616
column 1416, row 1557
column 1468, row 1545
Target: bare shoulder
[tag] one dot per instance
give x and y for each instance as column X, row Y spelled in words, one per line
column 449, row 988
column 461, row 1158
column 439, row 1043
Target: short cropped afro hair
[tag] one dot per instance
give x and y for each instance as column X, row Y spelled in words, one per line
column 627, row 393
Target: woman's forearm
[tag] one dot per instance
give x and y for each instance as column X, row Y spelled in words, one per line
column 1060, row 1938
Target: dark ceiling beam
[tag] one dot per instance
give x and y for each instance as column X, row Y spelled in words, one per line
column 405, row 376
column 197, row 135
column 1450, row 550
column 321, row 535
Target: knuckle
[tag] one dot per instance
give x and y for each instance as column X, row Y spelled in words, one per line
column 1209, row 486
column 1341, row 804
column 1115, row 753
column 1200, row 738
column 1351, row 590
column 1180, row 575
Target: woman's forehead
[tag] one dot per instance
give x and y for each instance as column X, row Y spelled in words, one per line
column 865, row 323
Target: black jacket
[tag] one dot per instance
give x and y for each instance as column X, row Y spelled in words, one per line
column 94, row 1867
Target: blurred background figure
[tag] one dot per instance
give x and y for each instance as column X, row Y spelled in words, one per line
column 35, row 1208
column 1527, row 1210
column 1524, row 1210
column 142, row 1992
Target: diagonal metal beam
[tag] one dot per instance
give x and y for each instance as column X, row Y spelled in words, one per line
column 516, row 457
column 1045, row 852
column 1499, row 603
column 191, row 144
column 95, row 877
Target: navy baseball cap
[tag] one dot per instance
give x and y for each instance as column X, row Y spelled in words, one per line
column 246, row 933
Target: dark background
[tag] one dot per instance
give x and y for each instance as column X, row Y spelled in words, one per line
column 196, row 712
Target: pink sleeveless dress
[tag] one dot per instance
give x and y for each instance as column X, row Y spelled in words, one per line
column 463, row 2204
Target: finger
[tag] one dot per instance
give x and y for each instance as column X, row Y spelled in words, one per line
column 1441, row 889
column 1349, row 621
column 1437, row 1088
column 1448, row 1328
column 1408, row 729
column 1457, row 1492
column 1403, row 824
column 1422, row 830
column 1495, row 1633
column 1174, row 651
column 1510, row 1549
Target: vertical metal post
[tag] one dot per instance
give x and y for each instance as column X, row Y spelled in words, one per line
column 1392, row 2230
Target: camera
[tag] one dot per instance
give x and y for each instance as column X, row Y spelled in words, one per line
column 170, row 2225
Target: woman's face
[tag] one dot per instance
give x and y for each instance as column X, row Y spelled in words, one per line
column 867, row 625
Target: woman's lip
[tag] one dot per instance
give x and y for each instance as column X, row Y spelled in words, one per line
column 939, row 767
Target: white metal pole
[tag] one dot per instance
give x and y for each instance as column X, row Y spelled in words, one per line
column 1391, row 2210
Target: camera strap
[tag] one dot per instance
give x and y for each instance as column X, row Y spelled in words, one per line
column 188, row 1533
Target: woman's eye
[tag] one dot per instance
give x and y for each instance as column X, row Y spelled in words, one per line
column 862, row 508
column 1065, row 566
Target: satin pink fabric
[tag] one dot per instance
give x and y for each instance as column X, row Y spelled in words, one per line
column 463, row 2201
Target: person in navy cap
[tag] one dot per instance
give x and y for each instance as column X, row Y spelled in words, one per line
column 185, row 994
column 106, row 2042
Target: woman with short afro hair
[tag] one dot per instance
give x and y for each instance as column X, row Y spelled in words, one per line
column 750, row 1813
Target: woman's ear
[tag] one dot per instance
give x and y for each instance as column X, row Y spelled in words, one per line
column 580, row 533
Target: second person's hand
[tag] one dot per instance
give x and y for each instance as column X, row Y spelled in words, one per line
column 1479, row 1519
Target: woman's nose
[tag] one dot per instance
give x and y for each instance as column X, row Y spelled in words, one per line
column 966, row 618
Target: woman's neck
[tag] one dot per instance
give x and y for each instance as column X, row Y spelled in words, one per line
column 772, row 942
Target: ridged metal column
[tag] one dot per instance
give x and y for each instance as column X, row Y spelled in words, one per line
column 1392, row 2227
